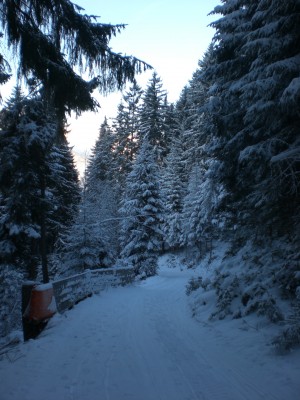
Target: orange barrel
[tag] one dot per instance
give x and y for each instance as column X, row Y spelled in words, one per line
column 42, row 303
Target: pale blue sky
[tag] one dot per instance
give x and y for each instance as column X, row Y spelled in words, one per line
column 170, row 35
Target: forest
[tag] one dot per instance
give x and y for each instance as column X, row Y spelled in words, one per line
column 220, row 165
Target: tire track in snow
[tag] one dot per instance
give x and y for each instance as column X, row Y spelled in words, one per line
column 195, row 359
column 134, row 343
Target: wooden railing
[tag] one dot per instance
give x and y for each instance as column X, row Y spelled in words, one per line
column 41, row 301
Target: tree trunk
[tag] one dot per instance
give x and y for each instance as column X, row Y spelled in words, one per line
column 44, row 233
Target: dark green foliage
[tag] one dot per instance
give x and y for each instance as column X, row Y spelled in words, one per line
column 64, row 184
column 152, row 117
column 142, row 209
column 101, row 161
column 126, row 128
column 102, row 190
column 255, row 77
column 23, row 169
column 52, row 37
column 39, row 184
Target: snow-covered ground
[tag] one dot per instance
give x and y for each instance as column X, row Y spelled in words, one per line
column 141, row 343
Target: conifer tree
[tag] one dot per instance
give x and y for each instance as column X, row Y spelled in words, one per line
column 102, row 192
column 100, row 164
column 66, row 193
column 132, row 102
column 52, row 39
column 152, row 117
column 24, row 169
column 39, row 188
column 173, row 190
column 85, row 244
column 142, row 211
column 253, row 99
column 126, row 128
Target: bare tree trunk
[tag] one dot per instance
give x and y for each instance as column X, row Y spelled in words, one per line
column 43, row 239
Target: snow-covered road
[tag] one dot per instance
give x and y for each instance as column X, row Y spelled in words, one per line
column 141, row 343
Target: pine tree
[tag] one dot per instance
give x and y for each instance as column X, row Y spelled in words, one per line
column 270, row 91
column 38, row 184
column 201, row 205
column 254, row 91
column 126, row 128
column 132, row 102
column 85, row 244
column 102, row 192
column 53, row 39
column 100, row 164
column 173, row 191
column 152, row 117
column 142, row 210
column 63, row 183
column 23, row 173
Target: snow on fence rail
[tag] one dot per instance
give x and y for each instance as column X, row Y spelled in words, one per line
column 70, row 291
column 41, row 301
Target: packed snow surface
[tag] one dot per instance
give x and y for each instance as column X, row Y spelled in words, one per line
column 141, row 343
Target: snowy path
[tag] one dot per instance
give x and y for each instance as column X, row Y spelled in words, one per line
column 140, row 343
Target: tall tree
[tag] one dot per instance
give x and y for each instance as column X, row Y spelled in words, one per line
column 102, row 191
column 254, row 101
column 101, row 161
column 142, row 211
column 24, row 169
column 85, row 244
column 173, row 190
column 126, row 127
column 39, row 186
column 153, row 115
column 54, row 37
column 66, row 193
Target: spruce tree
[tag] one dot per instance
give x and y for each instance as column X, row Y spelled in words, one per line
column 142, row 211
column 39, row 185
column 253, row 100
column 173, row 190
column 24, row 170
column 53, row 40
column 85, row 244
column 102, row 192
column 63, row 182
column 100, row 164
column 152, row 117
column 126, row 128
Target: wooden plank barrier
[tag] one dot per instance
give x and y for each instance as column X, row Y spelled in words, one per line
column 41, row 301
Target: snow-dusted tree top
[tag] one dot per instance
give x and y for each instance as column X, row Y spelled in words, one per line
column 53, row 40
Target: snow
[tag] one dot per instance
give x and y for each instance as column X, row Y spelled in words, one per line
column 52, row 306
column 140, row 342
column 43, row 287
column 290, row 154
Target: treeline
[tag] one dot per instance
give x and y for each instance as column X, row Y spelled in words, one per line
column 53, row 43
column 222, row 163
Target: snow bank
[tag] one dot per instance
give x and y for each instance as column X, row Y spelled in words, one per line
column 254, row 284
